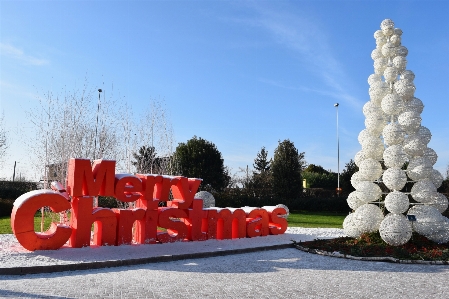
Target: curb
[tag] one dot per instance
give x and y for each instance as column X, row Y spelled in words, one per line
column 132, row 262
column 387, row 259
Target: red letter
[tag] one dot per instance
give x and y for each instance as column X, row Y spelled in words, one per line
column 226, row 223
column 162, row 189
column 184, row 191
column 125, row 221
column 22, row 220
column 127, row 187
column 176, row 229
column 105, row 223
column 195, row 221
column 278, row 224
column 84, row 180
column 257, row 223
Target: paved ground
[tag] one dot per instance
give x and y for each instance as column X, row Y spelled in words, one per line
column 287, row 273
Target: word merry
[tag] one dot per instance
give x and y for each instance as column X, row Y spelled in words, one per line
column 183, row 218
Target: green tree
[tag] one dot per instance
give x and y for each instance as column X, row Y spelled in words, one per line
column 145, row 159
column 345, row 176
column 286, row 170
column 316, row 168
column 199, row 158
column 261, row 163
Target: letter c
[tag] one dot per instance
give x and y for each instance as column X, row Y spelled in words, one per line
column 22, row 220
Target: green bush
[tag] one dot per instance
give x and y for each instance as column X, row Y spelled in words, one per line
column 6, row 206
column 12, row 190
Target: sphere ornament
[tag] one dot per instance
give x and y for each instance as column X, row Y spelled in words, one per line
column 392, row 104
column 414, row 145
column 419, row 169
column 389, row 49
column 401, row 51
column 378, row 90
column 376, row 54
column 378, row 34
column 410, row 121
column 398, row 31
column 351, row 226
column 356, row 178
column 436, row 178
column 439, row 202
column 400, row 63
column 380, row 64
column 359, row 157
column 374, row 78
column 207, row 197
column 365, row 137
column 390, row 74
column 407, row 76
column 395, row 156
column 424, row 134
column 370, row 170
column 368, row 191
column 393, row 134
column 395, row 40
column 373, row 150
column 353, row 200
column 395, row 229
column 430, row 223
column 422, row 191
column 387, row 27
column 404, row 88
column 397, row 202
column 371, row 108
column 431, row 155
column 375, row 123
column 381, row 41
column 413, row 105
column 368, row 217
column 394, row 178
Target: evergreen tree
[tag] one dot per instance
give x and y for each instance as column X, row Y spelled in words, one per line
column 286, row 171
column 261, row 163
column 145, row 159
column 199, row 158
column 345, row 176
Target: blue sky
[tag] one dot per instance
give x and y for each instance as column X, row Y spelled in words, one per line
column 241, row 74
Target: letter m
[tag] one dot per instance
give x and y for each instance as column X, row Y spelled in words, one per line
column 86, row 180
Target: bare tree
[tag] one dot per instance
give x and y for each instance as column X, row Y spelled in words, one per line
column 3, row 139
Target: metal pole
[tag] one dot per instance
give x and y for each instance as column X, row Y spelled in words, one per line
column 14, row 173
column 96, row 125
column 338, row 155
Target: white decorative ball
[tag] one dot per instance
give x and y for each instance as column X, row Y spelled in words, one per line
column 378, row 90
column 378, row 34
column 404, row 88
column 370, row 170
column 368, row 191
column 387, row 27
column 395, row 156
column 392, row 104
column 422, row 191
column 397, row 31
column 389, row 49
column 439, row 202
column 353, row 201
column 397, row 202
column 395, row 40
column 376, row 54
column 407, row 75
column 413, row 105
column 441, row 233
column 390, row 74
column 400, row 63
column 371, row 108
column 380, row 65
column 393, row 134
column 351, row 227
column 414, row 145
column 424, row 134
column 365, row 137
column 356, row 178
column 375, row 123
column 359, row 157
column 374, row 149
column 410, row 121
column 374, row 78
column 395, row 229
column 369, row 217
column 394, row 178
column 428, row 220
column 431, row 155
column 208, row 199
column 436, row 178
column 419, row 168
column 401, row 51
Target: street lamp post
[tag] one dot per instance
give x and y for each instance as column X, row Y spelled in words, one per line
column 338, row 155
column 96, row 125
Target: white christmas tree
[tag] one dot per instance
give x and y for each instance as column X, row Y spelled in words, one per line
column 395, row 153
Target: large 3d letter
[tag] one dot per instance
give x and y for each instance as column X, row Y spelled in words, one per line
column 226, row 223
column 146, row 228
column 104, row 220
column 125, row 221
column 128, row 187
column 278, row 225
column 171, row 219
column 22, row 220
column 257, row 223
column 86, row 180
column 184, row 191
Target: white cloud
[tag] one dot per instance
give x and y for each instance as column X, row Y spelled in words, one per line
column 16, row 53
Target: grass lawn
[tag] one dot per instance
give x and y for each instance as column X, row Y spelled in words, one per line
column 296, row 219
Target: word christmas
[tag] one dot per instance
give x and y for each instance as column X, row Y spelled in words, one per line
column 182, row 219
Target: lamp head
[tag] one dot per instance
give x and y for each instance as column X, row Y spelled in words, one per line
column 336, row 105
column 99, row 90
